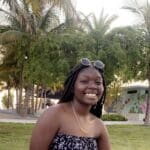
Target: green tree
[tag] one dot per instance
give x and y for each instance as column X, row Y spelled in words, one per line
column 26, row 21
column 144, row 13
column 130, row 41
column 126, row 59
column 103, row 48
column 7, row 101
column 99, row 27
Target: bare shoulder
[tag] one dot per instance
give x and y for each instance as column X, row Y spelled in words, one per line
column 103, row 140
column 102, row 127
column 53, row 113
column 100, row 123
column 46, row 127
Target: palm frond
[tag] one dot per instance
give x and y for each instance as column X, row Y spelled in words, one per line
column 25, row 5
column 132, row 9
column 66, row 6
column 21, row 15
column 102, row 24
column 110, row 19
column 7, row 13
column 37, row 6
column 13, row 5
column 84, row 22
column 49, row 20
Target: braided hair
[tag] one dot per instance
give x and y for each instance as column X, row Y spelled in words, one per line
column 69, row 85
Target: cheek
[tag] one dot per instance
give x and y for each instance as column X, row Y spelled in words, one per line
column 78, row 89
column 101, row 89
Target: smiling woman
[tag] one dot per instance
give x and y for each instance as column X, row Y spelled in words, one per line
column 75, row 122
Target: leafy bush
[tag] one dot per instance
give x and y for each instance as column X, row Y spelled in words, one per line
column 7, row 103
column 113, row 117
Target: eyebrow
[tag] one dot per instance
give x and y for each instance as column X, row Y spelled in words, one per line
column 84, row 75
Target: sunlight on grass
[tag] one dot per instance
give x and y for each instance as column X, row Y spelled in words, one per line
column 16, row 136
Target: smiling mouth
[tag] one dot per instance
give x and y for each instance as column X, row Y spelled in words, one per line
column 91, row 95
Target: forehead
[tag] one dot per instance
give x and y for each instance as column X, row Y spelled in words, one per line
column 90, row 72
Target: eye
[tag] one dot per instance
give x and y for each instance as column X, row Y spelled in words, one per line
column 84, row 81
column 98, row 82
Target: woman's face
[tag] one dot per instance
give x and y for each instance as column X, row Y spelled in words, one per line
column 88, row 87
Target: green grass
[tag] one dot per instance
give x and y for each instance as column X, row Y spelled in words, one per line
column 16, row 136
column 129, row 137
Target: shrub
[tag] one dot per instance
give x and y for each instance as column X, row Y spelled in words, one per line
column 5, row 101
column 113, row 117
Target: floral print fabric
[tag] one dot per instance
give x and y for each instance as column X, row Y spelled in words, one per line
column 71, row 142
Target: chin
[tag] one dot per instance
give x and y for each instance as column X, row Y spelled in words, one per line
column 92, row 102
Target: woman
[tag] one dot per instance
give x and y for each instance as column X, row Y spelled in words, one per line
column 74, row 123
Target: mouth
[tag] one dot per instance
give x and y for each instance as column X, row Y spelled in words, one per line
column 91, row 95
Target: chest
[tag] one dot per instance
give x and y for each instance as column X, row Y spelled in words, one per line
column 70, row 125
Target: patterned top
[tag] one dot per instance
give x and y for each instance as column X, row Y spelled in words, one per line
column 70, row 142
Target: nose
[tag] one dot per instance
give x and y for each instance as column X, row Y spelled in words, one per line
column 92, row 85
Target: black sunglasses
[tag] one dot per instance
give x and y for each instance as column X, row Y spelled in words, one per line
column 97, row 63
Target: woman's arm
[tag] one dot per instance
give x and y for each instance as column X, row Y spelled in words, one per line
column 45, row 129
column 103, row 141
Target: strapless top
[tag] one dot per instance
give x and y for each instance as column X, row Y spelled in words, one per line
column 70, row 142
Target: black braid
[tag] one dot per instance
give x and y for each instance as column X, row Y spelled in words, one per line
column 69, row 83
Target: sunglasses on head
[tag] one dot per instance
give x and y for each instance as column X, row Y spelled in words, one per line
column 97, row 63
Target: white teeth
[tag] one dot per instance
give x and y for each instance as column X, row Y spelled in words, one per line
column 90, row 94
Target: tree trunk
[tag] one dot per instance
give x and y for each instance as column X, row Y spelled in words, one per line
column 36, row 101
column 8, row 100
column 17, row 99
column 20, row 99
column 20, row 91
column 26, row 102
column 41, row 99
column 32, row 101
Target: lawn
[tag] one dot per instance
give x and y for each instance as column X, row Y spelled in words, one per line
column 130, row 137
column 16, row 136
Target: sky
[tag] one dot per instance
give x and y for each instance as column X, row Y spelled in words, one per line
column 111, row 7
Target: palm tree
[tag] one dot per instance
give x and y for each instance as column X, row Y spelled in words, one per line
column 27, row 20
column 98, row 28
column 144, row 13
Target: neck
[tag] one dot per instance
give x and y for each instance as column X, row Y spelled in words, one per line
column 81, row 109
column 82, row 129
